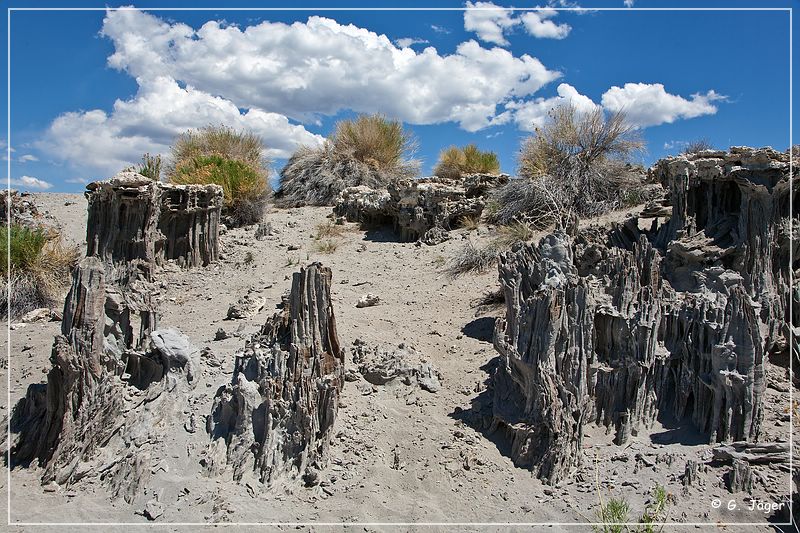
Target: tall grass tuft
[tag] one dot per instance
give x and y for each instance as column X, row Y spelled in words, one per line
column 232, row 159
column 151, row 167
column 370, row 150
column 243, row 188
column 40, row 265
column 470, row 258
column 454, row 162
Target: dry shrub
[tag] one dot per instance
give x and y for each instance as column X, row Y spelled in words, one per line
column 328, row 230
column 40, row 268
column 578, row 162
column 222, row 141
column 470, row 258
column 470, row 223
column 369, row 150
column 454, row 162
column 514, row 233
column 326, row 247
column 699, row 145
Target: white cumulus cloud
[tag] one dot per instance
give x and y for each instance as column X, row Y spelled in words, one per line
column 643, row 104
column 405, row 42
column 532, row 114
column 491, row 22
column 28, row 157
column 149, row 122
column 320, row 67
column 538, row 24
column 649, row 104
column 29, row 182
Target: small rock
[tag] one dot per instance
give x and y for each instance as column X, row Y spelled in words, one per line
column 368, row 300
column 153, row 509
column 246, row 307
column 42, row 313
column 221, row 335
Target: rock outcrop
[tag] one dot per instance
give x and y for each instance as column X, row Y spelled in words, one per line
column 627, row 325
column 133, row 219
column 115, row 384
column 420, row 209
column 274, row 420
column 119, row 382
column 19, row 208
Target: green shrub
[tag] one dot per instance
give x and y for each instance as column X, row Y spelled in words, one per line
column 40, row 265
column 222, row 141
column 235, row 160
column 369, row 150
column 243, row 187
column 150, row 167
column 454, row 162
column 656, row 510
column 612, row 516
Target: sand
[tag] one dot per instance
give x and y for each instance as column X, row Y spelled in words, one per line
column 400, row 454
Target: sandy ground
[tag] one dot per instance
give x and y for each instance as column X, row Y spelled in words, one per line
column 399, row 454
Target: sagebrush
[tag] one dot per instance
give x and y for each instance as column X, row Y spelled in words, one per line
column 577, row 162
column 370, row 150
column 37, row 269
column 455, row 162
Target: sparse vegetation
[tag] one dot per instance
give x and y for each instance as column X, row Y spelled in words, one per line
column 469, row 223
column 231, row 159
column 577, row 162
column 40, row 266
column 515, row 232
column 697, row 146
column 245, row 195
column 470, row 258
column 454, row 162
column 369, row 150
column 329, row 230
column 612, row 516
column 656, row 510
column 151, row 167
column 327, row 246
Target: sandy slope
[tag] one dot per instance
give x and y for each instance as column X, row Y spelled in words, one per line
column 399, row 454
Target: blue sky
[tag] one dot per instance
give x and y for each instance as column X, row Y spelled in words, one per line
column 93, row 90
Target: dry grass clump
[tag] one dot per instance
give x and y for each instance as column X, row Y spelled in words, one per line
column 578, row 162
column 369, row 150
column 454, row 162
column 327, row 246
column 514, row 233
column 328, row 230
column 40, row 266
column 471, row 259
column 234, row 160
column 469, row 223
